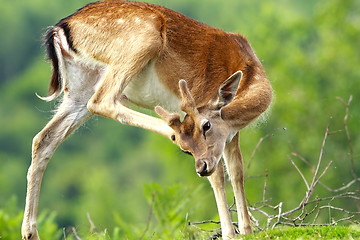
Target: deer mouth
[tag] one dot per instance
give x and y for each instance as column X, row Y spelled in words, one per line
column 203, row 169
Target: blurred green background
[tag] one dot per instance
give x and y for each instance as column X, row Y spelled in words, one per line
column 311, row 52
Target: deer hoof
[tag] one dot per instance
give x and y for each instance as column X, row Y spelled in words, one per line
column 30, row 235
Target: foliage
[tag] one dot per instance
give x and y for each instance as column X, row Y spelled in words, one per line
column 311, row 54
column 170, row 207
column 11, row 218
column 167, row 217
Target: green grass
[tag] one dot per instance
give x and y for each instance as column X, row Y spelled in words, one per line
column 10, row 222
column 307, row 233
column 281, row 233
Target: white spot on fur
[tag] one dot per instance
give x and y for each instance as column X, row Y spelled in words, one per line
column 257, row 77
column 137, row 20
column 121, row 21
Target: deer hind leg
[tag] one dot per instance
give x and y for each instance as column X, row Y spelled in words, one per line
column 133, row 52
column 234, row 164
column 106, row 100
column 217, row 183
column 68, row 117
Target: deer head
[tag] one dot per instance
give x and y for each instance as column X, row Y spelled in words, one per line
column 203, row 132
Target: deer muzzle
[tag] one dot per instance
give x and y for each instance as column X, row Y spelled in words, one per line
column 203, row 168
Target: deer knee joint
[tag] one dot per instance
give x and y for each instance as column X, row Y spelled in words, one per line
column 102, row 108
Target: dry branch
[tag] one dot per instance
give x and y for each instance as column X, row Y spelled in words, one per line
column 298, row 216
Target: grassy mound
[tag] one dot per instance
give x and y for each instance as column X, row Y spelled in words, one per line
column 304, row 233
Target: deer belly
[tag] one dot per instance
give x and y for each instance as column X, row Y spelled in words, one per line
column 146, row 90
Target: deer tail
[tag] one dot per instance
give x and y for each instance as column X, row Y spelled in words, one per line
column 58, row 45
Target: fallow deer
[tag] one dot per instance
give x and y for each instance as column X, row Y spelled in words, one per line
column 111, row 53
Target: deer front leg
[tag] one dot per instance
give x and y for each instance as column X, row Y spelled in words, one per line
column 105, row 102
column 234, row 164
column 67, row 119
column 217, row 183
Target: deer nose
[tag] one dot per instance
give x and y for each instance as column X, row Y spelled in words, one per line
column 201, row 168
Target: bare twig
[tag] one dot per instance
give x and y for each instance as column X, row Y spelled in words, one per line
column 64, row 233
column 338, row 209
column 279, row 215
column 301, row 174
column 92, row 225
column 302, row 159
column 323, row 173
column 265, row 184
column 75, row 233
column 205, row 222
column 149, row 217
column 315, row 179
column 255, row 150
column 255, row 221
column 346, row 186
column 348, row 136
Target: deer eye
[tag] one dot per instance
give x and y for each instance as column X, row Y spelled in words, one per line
column 206, row 126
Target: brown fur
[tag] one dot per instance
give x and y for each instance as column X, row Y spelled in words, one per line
column 190, row 50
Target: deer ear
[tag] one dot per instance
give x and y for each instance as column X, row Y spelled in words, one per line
column 228, row 89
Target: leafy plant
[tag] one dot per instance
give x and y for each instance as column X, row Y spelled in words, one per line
column 11, row 219
column 170, row 207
